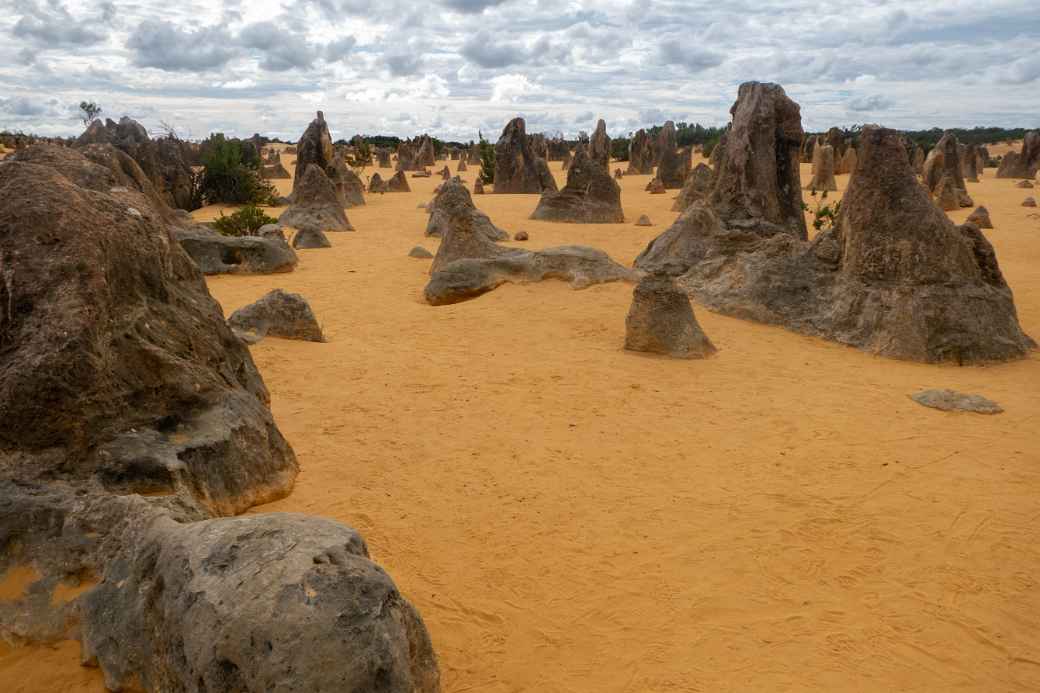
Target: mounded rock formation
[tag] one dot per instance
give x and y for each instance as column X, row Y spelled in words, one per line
column 1029, row 202
column 661, row 321
column 697, row 187
column 599, row 146
column 670, row 169
column 980, row 217
column 969, row 163
column 478, row 186
column 516, row 167
column 398, row 183
column 462, row 167
column 275, row 171
column 278, row 314
column 314, row 148
column 316, row 204
column 445, row 173
column 836, row 139
column 453, row 204
column 590, row 196
column 951, row 400
column 408, row 157
column 1024, row 164
column 644, row 220
column 162, row 160
column 848, row 162
column 309, row 238
column 894, row 276
column 823, row 175
column 425, row 152
column 946, row 195
column 640, row 154
column 468, row 263
column 420, row 253
column 376, row 184
column 944, row 160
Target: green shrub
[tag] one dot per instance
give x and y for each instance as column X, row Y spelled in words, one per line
column 229, row 178
column 487, row 161
column 244, row 222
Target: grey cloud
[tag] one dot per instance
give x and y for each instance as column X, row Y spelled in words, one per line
column 54, row 26
column 21, row 106
column 672, row 52
column 403, row 64
column 279, row 50
column 163, row 45
column 485, row 51
column 472, row 6
column 339, row 49
column 876, row 102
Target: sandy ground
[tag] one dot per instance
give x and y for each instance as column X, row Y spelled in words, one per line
column 568, row 516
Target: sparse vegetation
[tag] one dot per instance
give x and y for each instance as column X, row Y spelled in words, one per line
column 824, row 215
column 244, row 222
column 487, row 160
column 90, row 111
column 232, row 176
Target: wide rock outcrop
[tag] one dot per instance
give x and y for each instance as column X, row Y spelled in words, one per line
column 516, row 167
column 314, row 148
column 278, row 314
column 132, row 417
column 316, row 204
column 215, row 253
column 590, row 196
column 469, row 263
column 640, row 154
column 452, row 204
column 661, row 321
column 1024, row 164
column 894, row 276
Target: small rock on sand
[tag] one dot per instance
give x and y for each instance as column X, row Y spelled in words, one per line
column 420, row 252
column 951, row 400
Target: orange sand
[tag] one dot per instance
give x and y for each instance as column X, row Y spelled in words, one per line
column 571, row 517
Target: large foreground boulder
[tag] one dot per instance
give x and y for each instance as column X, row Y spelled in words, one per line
column 661, row 321
column 1024, row 164
column 278, row 314
column 132, row 418
column 215, row 253
column 894, row 276
column 590, row 196
column 469, row 263
column 516, row 166
column 316, row 204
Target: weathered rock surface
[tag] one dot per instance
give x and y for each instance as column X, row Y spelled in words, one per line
column 398, row 183
column 969, row 163
column 1029, row 202
column 946, row 195
column 661, row 321
column 521, row 236
column 894, row 277
column 823, row 176
column 951, row 400
column 980, row 217
column 516, row 167
column 278, row 314
column 643, row 220
column 1024, row 184
column 696, row 188
column 670, row 169
column 655, row 186
column 640, row 154
column 314, row 148
column 274, row 171
column 944, row 161
column 468, row 263
column 848, row 162
column 590, row 196
column 1024, row 164
column 599, row 146
column 215, row 253
column 453, row 205
column 349, row 187
column 376, row 184
column 309, row 238
column 462, row 167
column 316, row 204
column 918, row 162
column 420, row 253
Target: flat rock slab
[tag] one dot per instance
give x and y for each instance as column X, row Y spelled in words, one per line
column 951, row 400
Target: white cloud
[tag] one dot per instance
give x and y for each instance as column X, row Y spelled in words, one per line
column 510, row 87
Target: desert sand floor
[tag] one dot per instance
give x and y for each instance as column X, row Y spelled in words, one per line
column 568, row 516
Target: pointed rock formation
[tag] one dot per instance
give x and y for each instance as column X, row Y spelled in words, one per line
column 697, row 187
column 655, row 186
column 516, row 167
column 462, row 166
column 1024, row 164
column 590, row 196
column 425, row 152
column 848, row 162
column 316, row 204
column 278, row 314
column 640, row 154
column 946, row 195
column 349, row 187
column 670, row 169
column 453, row 203
column 823, row 176
column 599, row 146
column 944, row 160
column 398, row 183
column 376, row 184
column 315, row 147
column 894, row 276
column 661, row 321
column 969, row 163
column 980, row 217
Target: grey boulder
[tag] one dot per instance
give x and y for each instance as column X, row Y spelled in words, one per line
column 278, row 314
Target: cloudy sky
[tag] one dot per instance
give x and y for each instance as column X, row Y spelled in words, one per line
column 451, row 67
